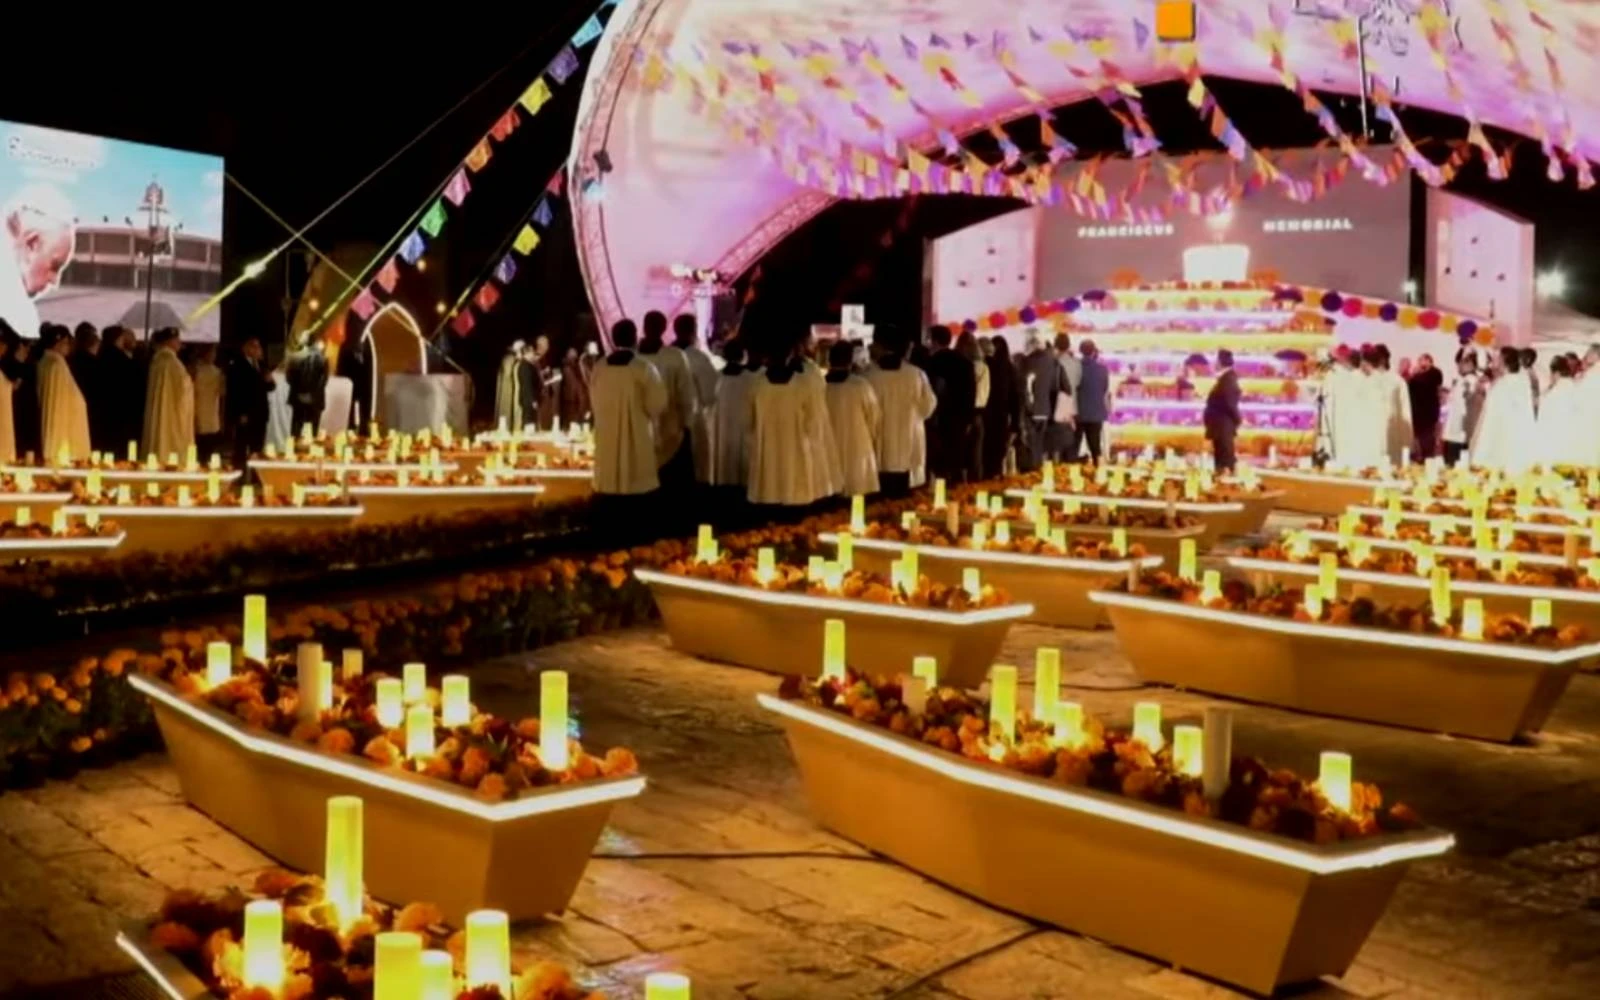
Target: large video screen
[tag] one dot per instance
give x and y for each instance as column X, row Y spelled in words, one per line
column 1355, row 238
column 105, row 231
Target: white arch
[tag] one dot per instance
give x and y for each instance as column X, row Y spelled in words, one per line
column 680, row 191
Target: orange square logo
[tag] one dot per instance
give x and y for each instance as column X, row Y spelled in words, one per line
column 1175, row 20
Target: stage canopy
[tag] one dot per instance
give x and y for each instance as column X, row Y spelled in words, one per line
column 709, row 129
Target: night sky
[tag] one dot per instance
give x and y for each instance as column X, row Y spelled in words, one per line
column 302, row 111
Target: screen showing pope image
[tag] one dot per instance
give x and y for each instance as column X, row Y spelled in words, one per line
column 106, row 231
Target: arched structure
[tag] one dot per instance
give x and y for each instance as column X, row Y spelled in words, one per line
column 724, row 124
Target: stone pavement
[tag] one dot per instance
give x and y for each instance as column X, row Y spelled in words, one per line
column 718, row 871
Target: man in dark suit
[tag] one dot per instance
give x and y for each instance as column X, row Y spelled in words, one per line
column 1094, row 399
column 1043, row 382
column 1222, row 416
column 248, row 387
column 955, row 383
column 308, row 385
column 116, row 411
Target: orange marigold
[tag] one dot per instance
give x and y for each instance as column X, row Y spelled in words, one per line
column 337, row 740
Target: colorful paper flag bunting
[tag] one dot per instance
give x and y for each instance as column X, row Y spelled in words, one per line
column 536, row 96
column 557, row 183
column 506, row 270
column 527, row 241
column 487, row 296
column 563, row 65
column 458, row 188
column 434, row 220
column 364, row 304
column 588, row 32
column 504, row 126
column 479, row 157
column 541, row 213
column 388, row 275
column 413, row 247
column 463, row 323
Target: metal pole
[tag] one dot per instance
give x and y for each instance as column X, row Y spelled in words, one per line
column 149, row 280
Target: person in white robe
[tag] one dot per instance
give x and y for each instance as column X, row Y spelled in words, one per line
column 280, row 417
column 1504, row 436
column 703, row 375
column 628, row 400
column 825, row 465
column 63, row 413
column 1560, row 440
column 8, row 433
column 731, row 418
column 508, row 402
column 783, row 419
column 1337, row 398
column 1360, row 419
column 906, row 401
column 1395, row 397
column 856, row 420
column 1463, row 405
column 168, row 401
column 673, row 452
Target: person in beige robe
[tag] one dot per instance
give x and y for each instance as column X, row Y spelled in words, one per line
column 168, row 401
column 628, row 399
column 63, row 414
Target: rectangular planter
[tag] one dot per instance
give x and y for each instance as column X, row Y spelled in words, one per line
column 1464, row 522
column 1164, row 542
column 178, row 529
column 1216, row 519
column 1486, row 690
column 41, row 505
column 426, row 840
column 138, row 479
column 1326, row 493
column 281, row 474
column 1248, row 908
column 559, row 484
column 781, row 633
column 1056, row 586
column 57, row 549
column 173, row 980
column 1568, row 607
column 394, row 504
column 1461, row 551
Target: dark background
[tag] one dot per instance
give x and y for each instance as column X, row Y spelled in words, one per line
column 303, row 109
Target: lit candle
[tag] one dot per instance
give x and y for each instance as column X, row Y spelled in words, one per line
column 1472, row 618
column 971, row 583
column 419, row 732
column 216, row 460
column 255, row 627
column 553, row 720
column 1540, row 615
column 982, row 500
column 247, row 496
column 438, row 977
column 1328, row 573
column 952, row 520
column 1046, row 683
column 997, row 505
column 1569, row 548
column 1069, row 724
column 1188, row 751
column 191, row 459
column 814, row 569
column 914, row 694
column 938, row 493
column 858, row 513
column 833, row 577
column 397, row 964
column 92, row 519
column 311, row 671
column 125, row 494
column 455, row 707
column 980, row 534
column 1047, row 476
column 1119, row 541
column 706, row 545
column 766, row 565
column 390, row 703
column 24, row 516
column 1002, row 533
column 58, row 522
column 1334, row 779
column 219, row 663
column 666, row 986
column 833, row 649
column 415, row 678
column 908, row 520
column 263, row 944
column 1147, row 724
column 1003, row 700
column 1211, row 589
column 1216, row 759
column 92, row 483
column 213, row 488
column 133, row 452
column 1186, row 559
column 927, row 668
column 342, row 858
column 351, row 666
column 1313, row 601
column 488, row 956
column 845, row 550
column 1440, row 593
column 912, row 574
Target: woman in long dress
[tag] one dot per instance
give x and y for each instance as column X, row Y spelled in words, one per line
column 1504, row 438
column 1560, row 440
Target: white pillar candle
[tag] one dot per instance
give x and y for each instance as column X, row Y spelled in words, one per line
column 1472, row 618
column 133, row 452
column 455, row 705
column 814, row 567
column 352, row 665
column 1147, row 724
column 858, row 513
column 343, row 858
column 971, row 582
column 263, row 944
column 310, row 670
column 706, row 545
column 845, row 550
column 666, row 986
column 419, row 732
column 488, row 954
column 766, row 565
column 1003, row 700
column 1216, row 756
column 833, row 654
column 1046, row 683
column 1186, row 560
column 397, row 964
column 58, row 522
column 389, row 695
column 914, row 695
column 1119, row 541
column 414, row 677
column 1069, row 724
column 927, row 668
column 1334, row 779
column 1211, row 587
column 553, row 720
column 1539, row 616
column 1187, row 750
column 438, row 976
column 219, row 663
column 938, row 494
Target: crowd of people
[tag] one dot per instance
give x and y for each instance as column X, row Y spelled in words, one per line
column 535, row 387
column 1495, row 410
column 70, row 393
column 804, row 422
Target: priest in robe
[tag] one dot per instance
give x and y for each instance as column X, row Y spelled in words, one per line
column 674, row 454
column 1359, row 418
column 1562, row 435
column 168, row 400
column 906, row 401
column 1506, row 428
column 628, row 400
column 1396, row 400
column 703, row 374
column 857, row 421
column 731, row 419
column 63, row 414
column 783, row 420
column 508, row 402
